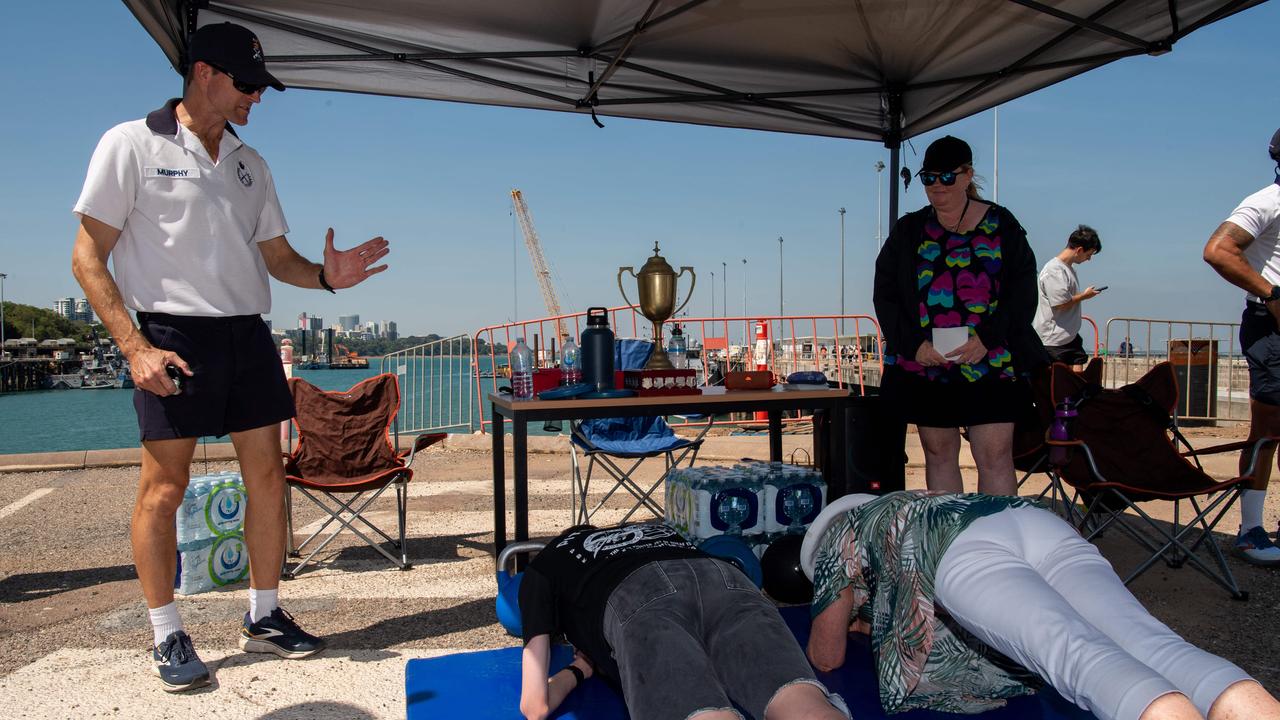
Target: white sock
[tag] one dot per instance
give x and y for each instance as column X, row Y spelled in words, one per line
column 1251, row 502
column 262, row 603
column 164, row 622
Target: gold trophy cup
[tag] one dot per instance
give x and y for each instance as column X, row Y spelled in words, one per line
column 657, row 283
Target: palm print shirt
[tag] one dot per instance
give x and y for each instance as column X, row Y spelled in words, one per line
column 958, row 283
column 887, row 551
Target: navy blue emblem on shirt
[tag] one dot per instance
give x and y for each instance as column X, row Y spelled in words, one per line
column 243, row 173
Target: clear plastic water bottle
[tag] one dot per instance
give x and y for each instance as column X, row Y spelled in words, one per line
column 521, row 371
column 570, row 363
column 676, row 349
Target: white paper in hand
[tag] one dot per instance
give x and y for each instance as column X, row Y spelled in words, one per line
column 946, row 340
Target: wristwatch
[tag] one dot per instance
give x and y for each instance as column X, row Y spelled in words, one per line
column 1275, row 295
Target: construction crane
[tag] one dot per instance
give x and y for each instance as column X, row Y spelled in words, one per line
column 540, row 269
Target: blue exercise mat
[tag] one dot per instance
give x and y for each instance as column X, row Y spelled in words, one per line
column 485, row 685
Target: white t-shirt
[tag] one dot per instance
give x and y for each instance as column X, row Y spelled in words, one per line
column 1259, row 215
column 1058, row 284
column 189, row 227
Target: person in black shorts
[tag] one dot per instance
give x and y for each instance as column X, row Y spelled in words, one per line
column 681, row 634
column 189, row 216
column 1245, row 251
column 1059, row 311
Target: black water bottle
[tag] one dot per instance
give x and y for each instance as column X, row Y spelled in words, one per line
column 597, row 350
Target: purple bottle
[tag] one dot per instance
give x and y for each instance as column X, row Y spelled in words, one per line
column 1064, row 416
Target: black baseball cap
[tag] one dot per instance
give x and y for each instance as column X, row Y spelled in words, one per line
column 946, row 154
column 233, row 49
column 1274, row 148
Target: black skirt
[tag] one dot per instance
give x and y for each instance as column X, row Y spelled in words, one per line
column 918, row 400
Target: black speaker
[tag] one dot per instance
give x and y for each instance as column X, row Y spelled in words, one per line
column 875, row 447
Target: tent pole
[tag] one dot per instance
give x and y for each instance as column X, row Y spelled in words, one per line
column 893, row 141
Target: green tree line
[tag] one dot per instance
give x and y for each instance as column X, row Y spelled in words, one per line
column 29, row 321
column 382, row 346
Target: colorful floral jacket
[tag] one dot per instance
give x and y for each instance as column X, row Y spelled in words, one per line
column 888, row 552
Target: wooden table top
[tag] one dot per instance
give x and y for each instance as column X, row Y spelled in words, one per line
column 710, row 396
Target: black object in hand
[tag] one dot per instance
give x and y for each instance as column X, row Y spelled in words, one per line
column 176, row 376
column 1100, row 289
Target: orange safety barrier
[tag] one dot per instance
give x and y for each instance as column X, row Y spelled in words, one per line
column 798, row 342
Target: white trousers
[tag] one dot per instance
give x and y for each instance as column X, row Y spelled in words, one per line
column 1025, row 582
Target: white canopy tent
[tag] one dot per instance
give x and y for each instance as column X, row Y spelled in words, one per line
column 883, row 70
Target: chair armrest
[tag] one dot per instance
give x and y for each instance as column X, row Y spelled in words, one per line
column 420, row 442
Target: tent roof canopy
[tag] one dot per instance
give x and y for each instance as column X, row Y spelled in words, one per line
column 880, row 70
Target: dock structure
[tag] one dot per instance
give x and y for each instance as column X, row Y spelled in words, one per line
column 32, row 373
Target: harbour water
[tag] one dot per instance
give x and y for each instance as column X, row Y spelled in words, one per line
column 54, row 420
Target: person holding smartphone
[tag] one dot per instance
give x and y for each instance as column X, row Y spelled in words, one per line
column 1058, row 315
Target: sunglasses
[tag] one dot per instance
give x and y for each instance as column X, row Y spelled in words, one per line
column 244, row 87
column 947, row 178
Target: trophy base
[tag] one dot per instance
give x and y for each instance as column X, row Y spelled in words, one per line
column 658, row 359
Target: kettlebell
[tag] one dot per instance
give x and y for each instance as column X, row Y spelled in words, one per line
column 507, row 602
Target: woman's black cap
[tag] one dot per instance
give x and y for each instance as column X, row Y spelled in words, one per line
column 946, row 154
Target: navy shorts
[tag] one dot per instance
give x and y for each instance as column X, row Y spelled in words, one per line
column 1261, row 344
column 238, row 381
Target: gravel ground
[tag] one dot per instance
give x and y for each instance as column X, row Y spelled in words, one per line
column 67, row 583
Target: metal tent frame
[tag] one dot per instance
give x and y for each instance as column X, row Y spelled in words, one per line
column 884, row 70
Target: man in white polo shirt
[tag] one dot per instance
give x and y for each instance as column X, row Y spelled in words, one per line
column 190, row 217
column 1245, row 250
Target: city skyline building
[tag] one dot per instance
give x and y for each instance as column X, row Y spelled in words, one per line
column 74, row 309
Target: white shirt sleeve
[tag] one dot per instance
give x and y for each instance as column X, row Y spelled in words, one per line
column 271, row 222
column 111, row 183
column 1256, row 213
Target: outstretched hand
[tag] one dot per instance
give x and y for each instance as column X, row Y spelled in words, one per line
column 345, row 268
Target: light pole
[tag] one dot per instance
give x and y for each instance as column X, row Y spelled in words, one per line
column 2, row 277
column 713, row 294
column 841, row 272
column 879, row 234
column 780, row 305
column 746, row 324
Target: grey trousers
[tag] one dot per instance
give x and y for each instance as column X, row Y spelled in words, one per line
column 696, row 635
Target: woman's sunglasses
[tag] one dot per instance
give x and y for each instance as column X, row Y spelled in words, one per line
column 251, row 89
column 947, row 178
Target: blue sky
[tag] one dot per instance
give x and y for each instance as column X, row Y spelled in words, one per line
column 1153, row 152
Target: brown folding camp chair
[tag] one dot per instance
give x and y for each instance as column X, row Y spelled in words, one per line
column 1128, row 452
column 1030, row 451
column 344, row 453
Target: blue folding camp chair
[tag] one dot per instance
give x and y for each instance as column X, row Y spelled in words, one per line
column 619, row 446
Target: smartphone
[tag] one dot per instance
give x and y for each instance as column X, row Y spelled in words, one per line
column 1100, row 288
column 175, row 375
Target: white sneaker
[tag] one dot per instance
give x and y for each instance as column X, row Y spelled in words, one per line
column 1257, row 548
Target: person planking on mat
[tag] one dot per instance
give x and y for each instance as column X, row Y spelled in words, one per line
column 1009, row 576
column 680, row 633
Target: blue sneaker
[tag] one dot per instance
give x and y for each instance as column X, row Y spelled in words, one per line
column 1257, row 548
column 177, row 664
column 278, row 633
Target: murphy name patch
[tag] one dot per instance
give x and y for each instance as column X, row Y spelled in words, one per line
column 175, row 173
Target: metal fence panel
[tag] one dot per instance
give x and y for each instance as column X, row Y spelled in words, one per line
column 435, row 385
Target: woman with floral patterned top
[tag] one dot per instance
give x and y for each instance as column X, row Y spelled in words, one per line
column 955, row 294
column 972, row 599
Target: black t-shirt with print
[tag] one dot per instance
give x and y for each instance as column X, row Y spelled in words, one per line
column 566, row 586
